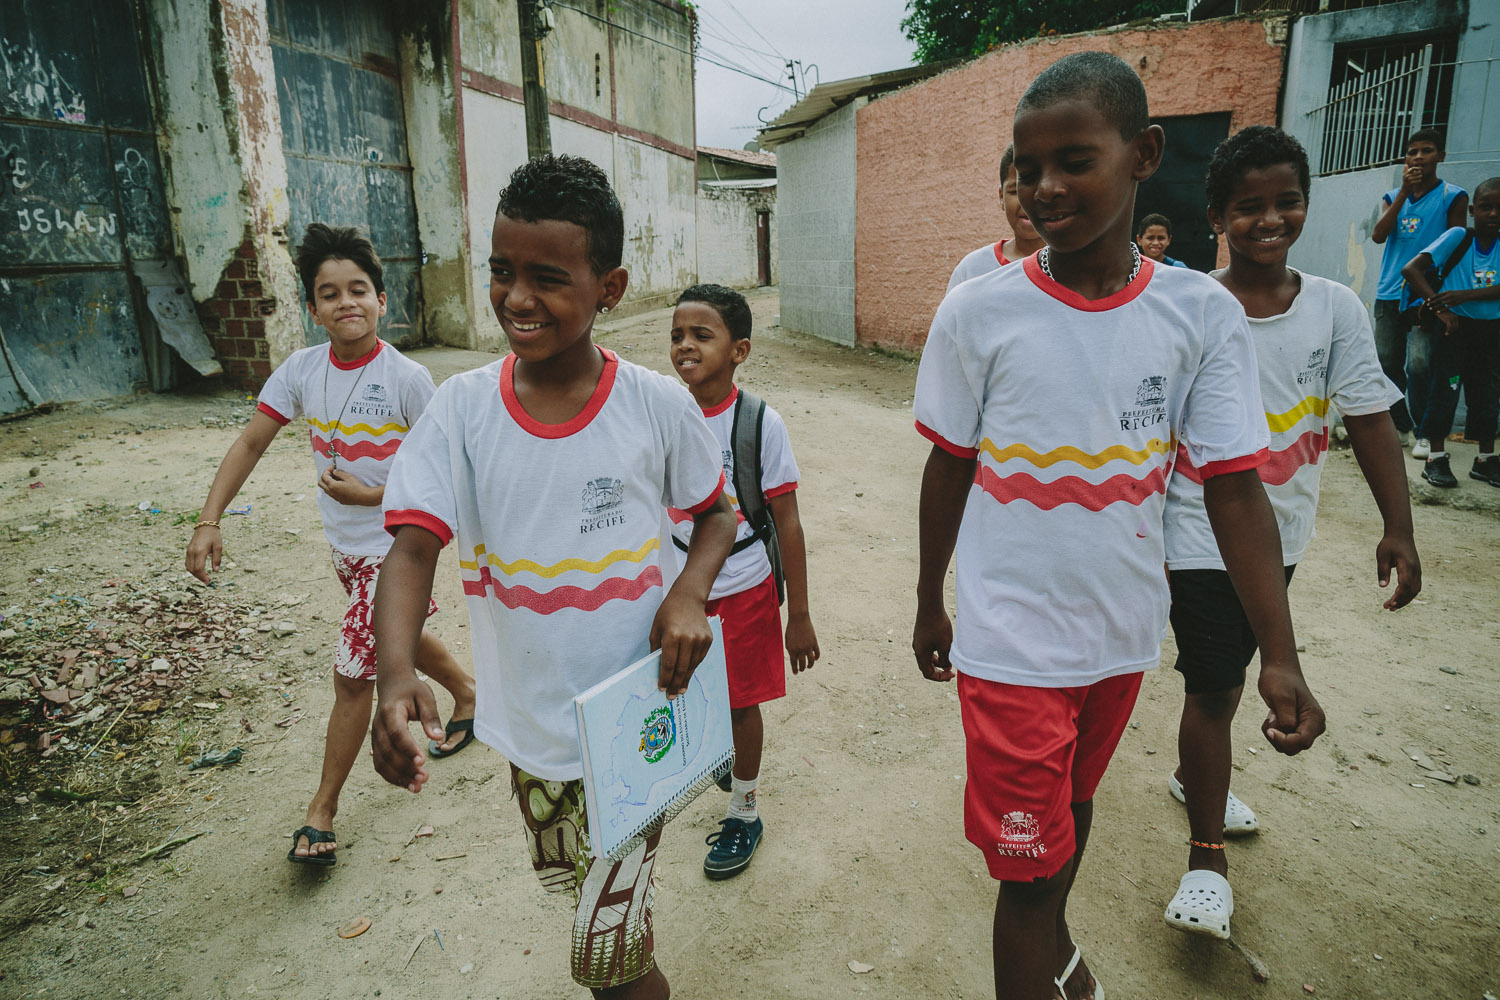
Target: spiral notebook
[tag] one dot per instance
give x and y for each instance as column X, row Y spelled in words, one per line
column 644, row 757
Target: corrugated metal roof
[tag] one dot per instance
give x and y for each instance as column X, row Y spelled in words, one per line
column 826, row 98
column 766, row 160
column 753, row 182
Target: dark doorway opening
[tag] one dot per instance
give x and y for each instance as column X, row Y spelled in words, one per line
column 1176, row 189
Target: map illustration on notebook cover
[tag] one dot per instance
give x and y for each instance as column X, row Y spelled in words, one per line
column 644, row 757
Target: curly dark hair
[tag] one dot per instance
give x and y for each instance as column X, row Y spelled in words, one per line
column 1252, row 148
column 323, row 242
column 1107, row 80
column 569, row 189
column 728, row 303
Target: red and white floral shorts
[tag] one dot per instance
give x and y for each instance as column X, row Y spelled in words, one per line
column 355, row 656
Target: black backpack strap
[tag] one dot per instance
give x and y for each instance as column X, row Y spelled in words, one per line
column 745, row 438
column 1453, row 259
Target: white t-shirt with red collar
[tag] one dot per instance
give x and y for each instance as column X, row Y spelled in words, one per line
column 561, row 530
column 361, row 409
column 987, row 258
column 1073, row 409
column 1320, row 351
column 749, row 566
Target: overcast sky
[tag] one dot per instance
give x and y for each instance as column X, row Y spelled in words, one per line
column 842, row 38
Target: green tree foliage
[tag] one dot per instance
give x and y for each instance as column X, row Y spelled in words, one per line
column 961, row 29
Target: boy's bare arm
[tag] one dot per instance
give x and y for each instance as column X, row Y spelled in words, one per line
column 401, row 597
column 680, row 629
column 945, row 490
column 1387, row 221
column 801, row 639
column 1250, row 544
column 1458, row 212
column 1415, row 273
column 1378, row 450
column 207, row 544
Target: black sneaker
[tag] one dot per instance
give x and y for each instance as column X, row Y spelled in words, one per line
column 1436, row 472
column 1486, row 470
column 732, row 847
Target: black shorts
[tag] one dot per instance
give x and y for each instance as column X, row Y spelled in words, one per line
column 1214, row 640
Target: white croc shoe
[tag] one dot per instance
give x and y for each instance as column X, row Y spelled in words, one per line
column 1421, row 449
column 1239, row 819
column 1061, row 981
column 1203, row 905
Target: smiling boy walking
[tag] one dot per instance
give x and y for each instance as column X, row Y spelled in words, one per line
column 359, row 396
column 553, row 469
column 1056, row 511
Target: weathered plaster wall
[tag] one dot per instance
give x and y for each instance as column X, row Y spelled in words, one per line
column 431, row 111
column 726, row 235
column 654, row 71
column 815, row 185
column 658, row 191
column 1343, row 208
column 494, row 145
column 927, row 156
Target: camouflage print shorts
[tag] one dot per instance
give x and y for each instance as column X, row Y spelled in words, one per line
column 612, row 920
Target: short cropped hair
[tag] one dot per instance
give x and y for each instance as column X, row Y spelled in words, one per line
column 1486, row 186
column 1431, row 135
column 569, row 189
column 1155, row 219
column 1253, row 148
column 323, row 242
column 1007, row 160
column 728, row 303
column 1115, row 89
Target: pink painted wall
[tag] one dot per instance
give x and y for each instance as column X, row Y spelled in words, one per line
column 927, row 158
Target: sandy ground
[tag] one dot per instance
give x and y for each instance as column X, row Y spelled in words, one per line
column 1367, row 880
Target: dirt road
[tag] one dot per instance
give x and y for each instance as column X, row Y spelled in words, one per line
column 1369, row 878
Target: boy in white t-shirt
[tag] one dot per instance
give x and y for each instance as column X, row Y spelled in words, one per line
column 359, row 396
column 553, row 469
column 1314, row 347
column 1052, row 392
column 710, row 339
column 1022, row 243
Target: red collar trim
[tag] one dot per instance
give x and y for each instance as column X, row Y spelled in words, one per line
column 1068, row 297
column 714, row 411
column 535, row 427
column 1000, row 253
column 359, row 362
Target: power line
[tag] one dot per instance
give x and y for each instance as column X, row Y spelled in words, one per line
column 753, row 28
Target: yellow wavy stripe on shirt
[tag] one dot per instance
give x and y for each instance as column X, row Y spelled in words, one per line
column 557, row 569
column 1068, row 453
column 1286, row 421
column 355, row 428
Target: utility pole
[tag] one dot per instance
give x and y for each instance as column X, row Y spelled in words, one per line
column 535, row 23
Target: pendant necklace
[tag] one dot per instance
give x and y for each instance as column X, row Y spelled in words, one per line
column 1044, row 261
column 333, row 430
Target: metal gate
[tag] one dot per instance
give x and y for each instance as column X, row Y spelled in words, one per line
column 81, row 200
column 1176, row 189
column 344, row 135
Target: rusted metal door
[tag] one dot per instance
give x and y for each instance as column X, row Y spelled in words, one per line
column 81, row 197
column 344, row 136
column 763, row 247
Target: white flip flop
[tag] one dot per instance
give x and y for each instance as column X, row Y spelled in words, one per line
column 1203, row 905
column 1061, row 980
column 1239, row 819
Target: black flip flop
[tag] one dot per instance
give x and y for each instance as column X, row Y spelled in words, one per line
column 314, row 836
column 452, row 727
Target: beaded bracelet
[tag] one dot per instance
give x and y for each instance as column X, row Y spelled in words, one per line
column 206, row 524
column 1205, row 846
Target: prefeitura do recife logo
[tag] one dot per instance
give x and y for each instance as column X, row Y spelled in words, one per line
column 658, row 733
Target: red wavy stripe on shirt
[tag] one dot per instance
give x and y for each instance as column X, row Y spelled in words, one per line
column 1279, row 467
column 351, row 450
column 546, row 602
column 1123, row 488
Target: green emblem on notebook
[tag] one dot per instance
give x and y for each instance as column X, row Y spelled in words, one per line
column 658, row 733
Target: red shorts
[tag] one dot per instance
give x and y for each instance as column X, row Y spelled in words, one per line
column 1033, row 752
column 355, row 656
column 753, row 648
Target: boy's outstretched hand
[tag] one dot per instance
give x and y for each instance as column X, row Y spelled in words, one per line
column 931, row 639
column 680, row 630
column 398, row 757
column 1399, row 553
column 1295, row 718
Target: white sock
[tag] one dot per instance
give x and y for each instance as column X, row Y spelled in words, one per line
column 1486, row 454
column 742, row 799
column 1437, row 454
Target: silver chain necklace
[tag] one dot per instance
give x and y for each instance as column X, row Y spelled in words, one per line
column 1044, row 261
column 333, row 430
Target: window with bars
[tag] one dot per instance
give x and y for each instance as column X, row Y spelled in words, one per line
column 1378, row 95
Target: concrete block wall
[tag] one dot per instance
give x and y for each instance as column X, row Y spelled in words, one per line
column 927, row 156
column 815, row 185
column 726, row 235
